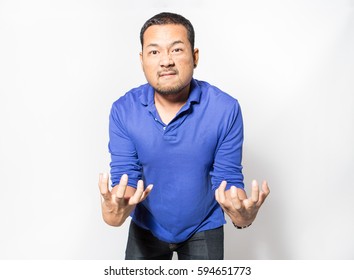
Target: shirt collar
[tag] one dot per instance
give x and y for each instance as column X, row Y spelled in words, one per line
column 146, row 95
column 195, row 92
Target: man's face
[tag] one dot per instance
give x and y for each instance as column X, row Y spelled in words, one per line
column 167, row 58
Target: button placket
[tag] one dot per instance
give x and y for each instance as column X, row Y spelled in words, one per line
column 160, row 123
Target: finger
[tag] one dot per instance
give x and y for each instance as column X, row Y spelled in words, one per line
column 241, row 193
column 220, row 193
column 103, row 186
column 146, row 192
column 265, row 188
column 122, row 186
column 264, row 193
column 135, row 199
column 255, row 191
column 236, row 202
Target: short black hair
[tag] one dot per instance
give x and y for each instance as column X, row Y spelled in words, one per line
column 169, row 18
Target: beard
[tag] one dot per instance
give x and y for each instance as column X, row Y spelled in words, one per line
column 169, row 89
column 172, row 90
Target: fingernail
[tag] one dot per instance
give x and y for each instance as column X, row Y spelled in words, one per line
column 105, row 175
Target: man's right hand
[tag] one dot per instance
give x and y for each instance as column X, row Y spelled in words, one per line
column 120, row 202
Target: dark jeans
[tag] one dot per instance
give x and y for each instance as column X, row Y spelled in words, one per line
column 205, row 245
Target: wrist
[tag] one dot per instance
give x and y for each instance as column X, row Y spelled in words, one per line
column 241, row 227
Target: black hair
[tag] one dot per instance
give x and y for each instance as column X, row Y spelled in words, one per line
column 169, row 18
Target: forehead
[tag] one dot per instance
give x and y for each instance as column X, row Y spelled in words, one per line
column 165, row 34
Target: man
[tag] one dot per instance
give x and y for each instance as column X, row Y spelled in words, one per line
column 185, row 137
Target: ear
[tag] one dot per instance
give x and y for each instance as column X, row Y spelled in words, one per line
column 195, row 57
column 141, row 59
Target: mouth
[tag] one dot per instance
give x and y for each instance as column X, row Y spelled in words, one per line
column 167, row 74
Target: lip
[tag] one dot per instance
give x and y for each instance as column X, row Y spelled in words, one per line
column 166, row 74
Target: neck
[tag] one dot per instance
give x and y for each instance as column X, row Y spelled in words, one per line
column 168, row 105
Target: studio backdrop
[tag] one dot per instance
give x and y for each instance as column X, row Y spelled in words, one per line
column 290, row 64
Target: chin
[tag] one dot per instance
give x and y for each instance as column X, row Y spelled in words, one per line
column 169, row 90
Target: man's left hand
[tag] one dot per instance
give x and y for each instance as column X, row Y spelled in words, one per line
column 241, row 209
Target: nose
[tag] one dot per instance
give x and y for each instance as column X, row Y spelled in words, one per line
column 166, row 60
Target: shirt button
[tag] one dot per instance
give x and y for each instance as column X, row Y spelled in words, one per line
column 155, row 119
column 164, row 128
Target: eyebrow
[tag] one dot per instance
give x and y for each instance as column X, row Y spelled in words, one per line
column 171, row 45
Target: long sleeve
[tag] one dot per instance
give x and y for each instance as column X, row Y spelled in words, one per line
column 228, row 158
column 124, row 159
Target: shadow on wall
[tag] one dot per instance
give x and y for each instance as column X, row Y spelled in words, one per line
column 265, row 239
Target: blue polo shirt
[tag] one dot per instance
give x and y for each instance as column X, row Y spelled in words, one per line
column 185, row 160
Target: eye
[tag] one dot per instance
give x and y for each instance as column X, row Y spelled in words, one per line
column 177, row 50
column 153, row 52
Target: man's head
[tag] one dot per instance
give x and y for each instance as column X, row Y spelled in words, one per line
column 169, row 18
column 168, row 57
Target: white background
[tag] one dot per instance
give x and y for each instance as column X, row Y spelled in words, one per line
column 289, row 63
